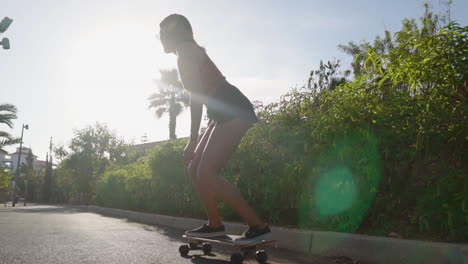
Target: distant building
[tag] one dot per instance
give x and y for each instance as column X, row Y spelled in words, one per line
column 144, row 147
column 40, row 165
column 24, row 154
column 5, row 161
column 12, row 162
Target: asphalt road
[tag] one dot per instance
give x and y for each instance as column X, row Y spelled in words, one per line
column 54, row 234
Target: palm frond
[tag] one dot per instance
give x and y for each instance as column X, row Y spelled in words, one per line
column 157, row 103
column 8, row 108
column 4, row 134
column 160, row 111
column 165, row 91
column 162, row 95
column 8, row 142
column 171, row 78
column 7, row 119
column 170, row 98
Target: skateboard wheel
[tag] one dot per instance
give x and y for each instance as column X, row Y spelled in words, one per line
column 184, row 250
column 261, row 256
column 248, row 251
column 236, row 258
column 193, row 245
column 206, row 247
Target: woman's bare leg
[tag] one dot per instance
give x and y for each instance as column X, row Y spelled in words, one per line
column 206, row 200
column 221, row 144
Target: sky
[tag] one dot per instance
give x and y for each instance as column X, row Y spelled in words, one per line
column 73, row 63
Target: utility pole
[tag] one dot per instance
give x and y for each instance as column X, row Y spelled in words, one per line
column 18, row 165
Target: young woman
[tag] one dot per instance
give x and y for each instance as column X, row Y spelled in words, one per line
column 231, row 114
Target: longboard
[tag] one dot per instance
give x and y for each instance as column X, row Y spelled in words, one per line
column 228, row 240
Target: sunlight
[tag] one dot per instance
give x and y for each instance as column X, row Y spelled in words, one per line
column 110, row 52
column 109, row 75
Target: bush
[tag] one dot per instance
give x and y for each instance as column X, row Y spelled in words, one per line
column 172, row 190
column 128, row 187
column 5, row 186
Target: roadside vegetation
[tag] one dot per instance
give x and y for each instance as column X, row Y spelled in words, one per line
column 379, row 148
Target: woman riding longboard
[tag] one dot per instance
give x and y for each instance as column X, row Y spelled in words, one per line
column 231, row 115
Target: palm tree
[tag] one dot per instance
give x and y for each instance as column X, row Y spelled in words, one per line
column 7, row 114
column 171, row 98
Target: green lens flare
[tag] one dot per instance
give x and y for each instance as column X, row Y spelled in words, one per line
column 341, row 184
column 335, row 192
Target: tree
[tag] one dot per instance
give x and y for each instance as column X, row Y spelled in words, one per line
column 92, row 150
column 47, row 180
column 30, row 163
column 7, row 114
column 26, row 172
column 171, row 98
column 33, row 179
column 60, row 152
column 5, row 180
column 327, row 77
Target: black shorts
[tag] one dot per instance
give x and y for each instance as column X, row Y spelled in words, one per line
column 229, row 103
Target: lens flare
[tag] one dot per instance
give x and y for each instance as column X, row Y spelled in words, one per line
column 335, row 192
column 341, row 184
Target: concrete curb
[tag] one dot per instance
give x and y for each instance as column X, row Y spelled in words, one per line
column 379, row 250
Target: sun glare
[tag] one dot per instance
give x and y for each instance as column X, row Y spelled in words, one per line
column 107, row 53
column 109, row 74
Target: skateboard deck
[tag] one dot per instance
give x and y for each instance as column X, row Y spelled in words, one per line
column 228, row 240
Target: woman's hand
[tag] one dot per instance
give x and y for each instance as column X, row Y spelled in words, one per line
column 189, row 151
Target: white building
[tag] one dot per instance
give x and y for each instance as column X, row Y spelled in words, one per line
column 24, row 154
column 5, row 161
column 12, row 162
column 40, row 165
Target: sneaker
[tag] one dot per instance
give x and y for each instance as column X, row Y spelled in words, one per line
column 206, row 231
column 253, row 235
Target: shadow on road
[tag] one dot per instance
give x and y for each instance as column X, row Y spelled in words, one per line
column 174, row 235
column 199, row 259
column 42, row 209
column 281, row 255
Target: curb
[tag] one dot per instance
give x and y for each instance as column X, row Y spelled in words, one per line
column 372, row 249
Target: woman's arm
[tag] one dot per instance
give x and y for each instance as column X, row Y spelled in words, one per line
column 196, row 109
column 189, row 62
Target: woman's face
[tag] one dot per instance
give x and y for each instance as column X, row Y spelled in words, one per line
column 165, row 41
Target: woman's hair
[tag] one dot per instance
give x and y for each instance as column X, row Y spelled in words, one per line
column 178, row 28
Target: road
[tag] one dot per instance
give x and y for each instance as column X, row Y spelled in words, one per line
column 55, row 234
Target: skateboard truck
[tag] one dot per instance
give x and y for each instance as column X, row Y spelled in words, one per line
column 236, row 258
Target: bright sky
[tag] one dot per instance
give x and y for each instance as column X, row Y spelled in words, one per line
column 75, row 62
